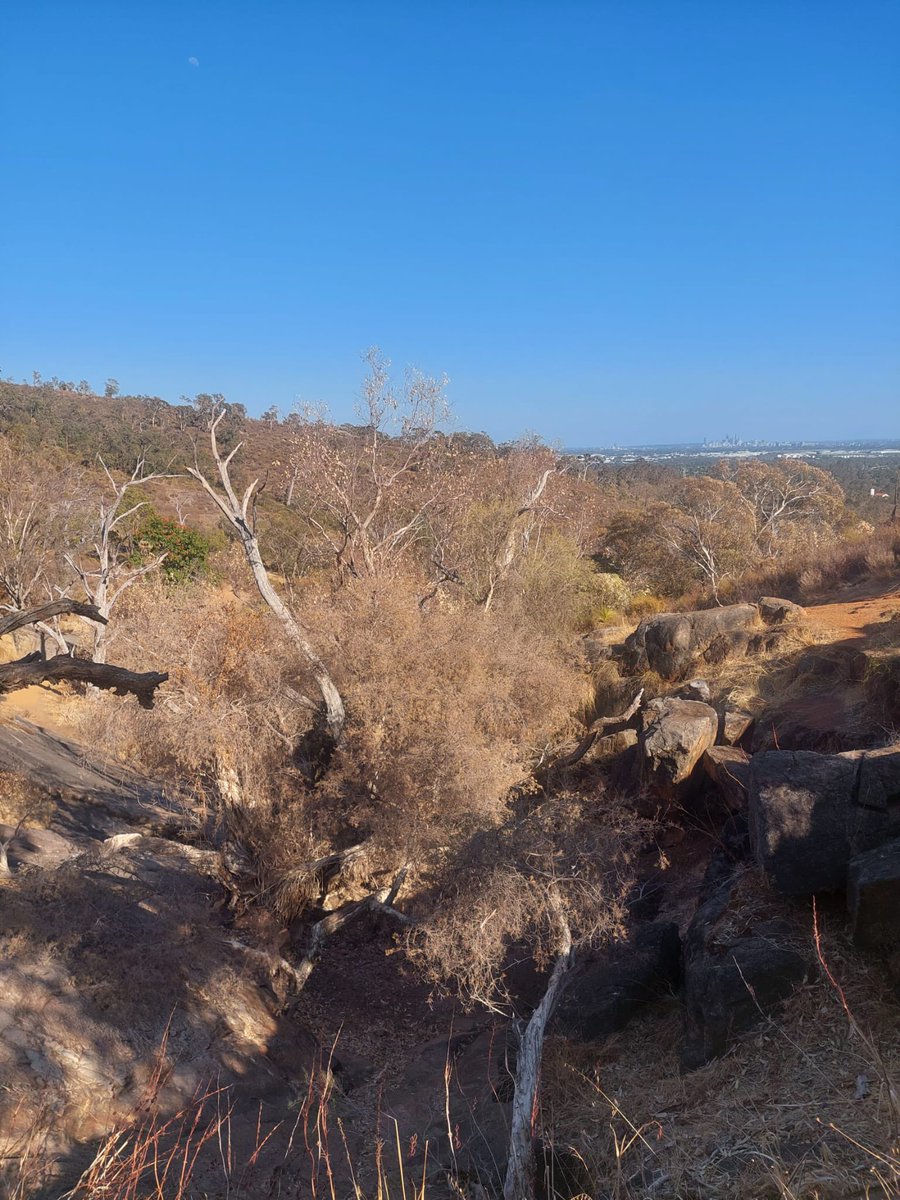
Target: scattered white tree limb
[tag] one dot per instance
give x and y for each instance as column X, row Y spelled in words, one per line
column 515, row 535
column 521, row 1169
column 236, row 512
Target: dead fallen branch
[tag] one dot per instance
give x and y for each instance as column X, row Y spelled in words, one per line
column 381, row 902
column 601, row 728
column 62, row 668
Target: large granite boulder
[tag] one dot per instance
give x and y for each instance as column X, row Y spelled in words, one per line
column 878, row 782
column 811, row 813
column 671, row 644
column 775, row 611
column 672, row 739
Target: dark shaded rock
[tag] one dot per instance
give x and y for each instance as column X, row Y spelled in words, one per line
column 806, row 819
column 610, row 988
column 673, row 737
column 740, row 963
column 672, row 643
column 596, row 650
column 775, row 611
column 873, row 897
column 799, row 818
column 878, row 785
column 645, row 898
column 728, row 767
column 736, row 728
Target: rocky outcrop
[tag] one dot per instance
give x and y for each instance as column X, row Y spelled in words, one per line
column 671, row 644
column 741, row 961
column 672, row 739
column 873, row 897
column 116, row 962
column 878, row 782
column 609, row 989
column 811, row 813
column 775, row 611
column 675, row 644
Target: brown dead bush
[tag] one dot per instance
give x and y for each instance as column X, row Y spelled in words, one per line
column 447, row 706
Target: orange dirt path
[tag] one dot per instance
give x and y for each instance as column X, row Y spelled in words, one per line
column 852, row 613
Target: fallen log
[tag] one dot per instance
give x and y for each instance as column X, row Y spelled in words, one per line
column 62, row 668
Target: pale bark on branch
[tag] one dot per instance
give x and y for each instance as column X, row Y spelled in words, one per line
column 511, row 542
column 237, row 512
column 521, row 1169
column 298, row 974
column 379, row 902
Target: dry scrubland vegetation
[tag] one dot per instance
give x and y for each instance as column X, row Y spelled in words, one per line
column 392, row 746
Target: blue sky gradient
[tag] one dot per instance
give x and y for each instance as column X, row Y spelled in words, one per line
column 622, row 221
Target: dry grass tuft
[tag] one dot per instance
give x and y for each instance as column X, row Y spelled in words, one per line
column 798, row 1110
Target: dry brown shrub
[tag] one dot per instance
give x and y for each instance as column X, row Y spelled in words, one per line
column 815, row 567
column 567, row 856
column 447, row 708
column 226, row 704
column 21, row 800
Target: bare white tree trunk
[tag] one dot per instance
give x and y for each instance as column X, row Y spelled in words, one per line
column 506, row 557
column 109, row 578
column 237, row 513
column 521, row 1168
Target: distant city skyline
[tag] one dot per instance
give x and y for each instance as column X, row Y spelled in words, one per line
column 604, row 222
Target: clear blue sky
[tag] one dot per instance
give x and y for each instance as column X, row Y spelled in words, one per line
column 625, row 220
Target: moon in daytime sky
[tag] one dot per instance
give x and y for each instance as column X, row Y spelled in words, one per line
column 195, row 62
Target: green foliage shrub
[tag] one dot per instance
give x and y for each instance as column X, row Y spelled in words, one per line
column 564, row 592
column 187, row 551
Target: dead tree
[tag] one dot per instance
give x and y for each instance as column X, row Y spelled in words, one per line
column 33, row 668
column 516, row 533
column 105, row 579
column 240, row 515
column 369, row 490
column 602, row 727
column 521, row 1168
